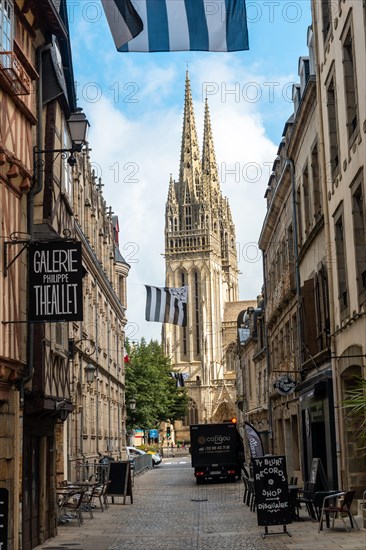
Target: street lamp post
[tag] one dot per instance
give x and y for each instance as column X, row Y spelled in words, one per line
column 132, row 407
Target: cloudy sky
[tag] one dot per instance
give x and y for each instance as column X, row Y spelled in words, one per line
column 134, row 102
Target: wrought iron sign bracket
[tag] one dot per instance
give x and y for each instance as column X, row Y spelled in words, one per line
column 16, row 238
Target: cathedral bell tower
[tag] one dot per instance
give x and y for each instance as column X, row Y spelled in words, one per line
column 200, row 252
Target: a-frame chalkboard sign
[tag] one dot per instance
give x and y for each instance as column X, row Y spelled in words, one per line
column 271, row 493
column 316, row 471
column 120, row 480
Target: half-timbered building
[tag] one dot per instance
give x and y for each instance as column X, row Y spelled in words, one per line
column 49, row 195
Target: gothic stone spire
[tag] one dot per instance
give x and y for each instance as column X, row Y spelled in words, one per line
column 209, row 166
column 190, row 170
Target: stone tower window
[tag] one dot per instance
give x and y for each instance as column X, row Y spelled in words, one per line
column 184, row 329
column 197, row 315
column 317, row 198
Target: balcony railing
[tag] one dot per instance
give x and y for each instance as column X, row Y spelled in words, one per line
column 16, row 75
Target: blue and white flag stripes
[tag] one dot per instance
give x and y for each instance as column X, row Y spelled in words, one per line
column 182, row 25
column 167, row 305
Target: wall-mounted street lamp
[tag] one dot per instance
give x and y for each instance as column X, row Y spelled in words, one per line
column 132, row 404
column 78, row 127
column 90, row 373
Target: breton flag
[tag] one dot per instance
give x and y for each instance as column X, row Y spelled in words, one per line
column 167, row 305
column 178, row 25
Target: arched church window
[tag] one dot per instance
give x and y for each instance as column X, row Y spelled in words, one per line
column 230, row 358
column 184, row 281
column 188, row 218
column 196, row 313
column 192, row 416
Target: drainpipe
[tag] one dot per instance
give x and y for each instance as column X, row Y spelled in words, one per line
column 36, row 188
column 268, row 360
column 290, row 164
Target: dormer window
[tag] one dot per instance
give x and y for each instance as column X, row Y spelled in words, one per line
column 303, row 72
column 296, row 97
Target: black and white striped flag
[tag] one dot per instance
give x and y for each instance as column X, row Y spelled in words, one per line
column 178, row 25
column 167, row 305
column 123, row 20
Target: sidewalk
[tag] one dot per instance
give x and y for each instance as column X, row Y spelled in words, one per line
column 170, row 512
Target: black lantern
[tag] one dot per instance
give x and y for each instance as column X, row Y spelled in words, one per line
column 78, row 126
column 90, row 373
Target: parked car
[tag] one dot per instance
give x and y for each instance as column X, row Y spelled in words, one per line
column 133, row 451
column 156, row 457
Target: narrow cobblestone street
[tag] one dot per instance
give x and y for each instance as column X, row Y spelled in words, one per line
column 170, row 512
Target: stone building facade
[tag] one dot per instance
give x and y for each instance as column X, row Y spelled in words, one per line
column 200, row 251
column 340, row 50
column 96, row 425
column 313, row 241
column 48, row 195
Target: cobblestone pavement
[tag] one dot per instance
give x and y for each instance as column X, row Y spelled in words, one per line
column 170, row 512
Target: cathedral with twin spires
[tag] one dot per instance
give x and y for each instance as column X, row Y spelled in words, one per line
column 200, row 252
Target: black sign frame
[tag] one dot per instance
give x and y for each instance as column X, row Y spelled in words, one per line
column 271, row 491
column 120, row 480
column 55, row 276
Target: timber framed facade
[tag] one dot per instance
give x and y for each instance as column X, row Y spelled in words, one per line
column 49, row 414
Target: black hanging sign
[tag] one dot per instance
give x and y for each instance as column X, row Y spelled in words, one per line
column 271, row 490
column 285, row 385
column 55, row 281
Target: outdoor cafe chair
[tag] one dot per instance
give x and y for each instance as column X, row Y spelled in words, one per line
column 73, row 502
column 101, row 493
column 342, row 506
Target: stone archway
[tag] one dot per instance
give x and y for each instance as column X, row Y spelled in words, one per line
column 224, row 413
column 355, row 467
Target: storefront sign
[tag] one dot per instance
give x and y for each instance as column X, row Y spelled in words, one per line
column 271, row 490
column 285, row 385
column 55, row 281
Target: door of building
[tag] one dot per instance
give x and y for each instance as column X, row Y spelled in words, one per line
column 37, row 475
column 31, row 488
